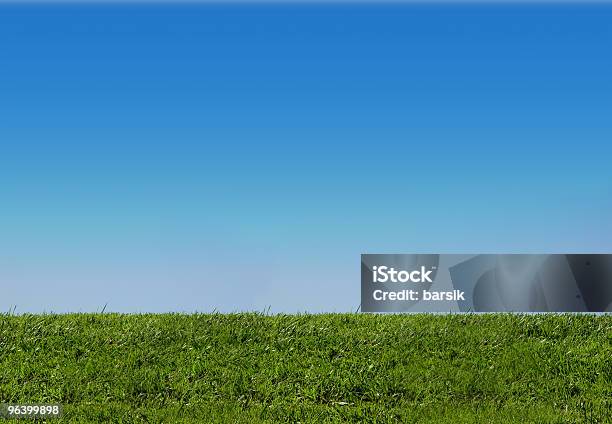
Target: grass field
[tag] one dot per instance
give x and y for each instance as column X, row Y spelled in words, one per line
column 311, row 368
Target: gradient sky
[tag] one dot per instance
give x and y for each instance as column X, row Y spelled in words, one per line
column 241, row 157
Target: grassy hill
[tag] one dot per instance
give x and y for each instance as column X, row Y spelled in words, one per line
column 311, row 368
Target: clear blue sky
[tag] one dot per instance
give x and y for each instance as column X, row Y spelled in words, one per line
column 200, row 157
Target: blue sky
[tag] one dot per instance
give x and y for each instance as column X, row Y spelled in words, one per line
column 240, row 157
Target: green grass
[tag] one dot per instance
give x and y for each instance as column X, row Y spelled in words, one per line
column 311, row 368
